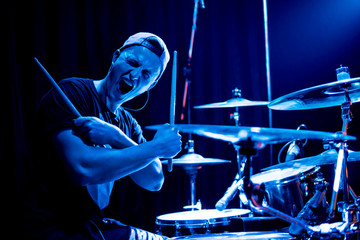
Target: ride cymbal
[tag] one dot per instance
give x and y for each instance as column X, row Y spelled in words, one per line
column 321, row 96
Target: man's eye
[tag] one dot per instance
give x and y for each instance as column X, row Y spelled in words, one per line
column 146, row 74
column 133, row 63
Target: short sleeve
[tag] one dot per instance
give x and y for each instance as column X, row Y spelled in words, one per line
column 54, row 114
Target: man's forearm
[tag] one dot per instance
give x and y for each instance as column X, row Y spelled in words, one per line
column 93, row 165
column 150, row 177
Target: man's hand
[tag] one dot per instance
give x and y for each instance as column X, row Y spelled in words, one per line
column 169, row 142
column 96, row 131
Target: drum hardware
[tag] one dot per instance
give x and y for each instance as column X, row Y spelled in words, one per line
column 236, row 115
column 191, row 163
column 197, row 206
column 250, row 139
column 323, row 231
column 236, row 102
column 341, row 93
column 316, row 210
column 191, row 171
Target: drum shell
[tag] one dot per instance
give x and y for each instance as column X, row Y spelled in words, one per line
column 288, row 194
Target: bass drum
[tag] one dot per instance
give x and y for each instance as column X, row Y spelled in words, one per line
column 287, row 190
column 241, row 236
column 197, row 222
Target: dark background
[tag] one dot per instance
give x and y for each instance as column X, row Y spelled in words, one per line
column 308, row 41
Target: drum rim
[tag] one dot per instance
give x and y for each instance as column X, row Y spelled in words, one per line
column 192, row 223
column 271, row 234
column 285, row 180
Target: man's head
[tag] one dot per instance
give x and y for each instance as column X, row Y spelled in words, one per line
column 136, row 66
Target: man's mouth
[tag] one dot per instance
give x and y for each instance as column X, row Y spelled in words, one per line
column 125, row 86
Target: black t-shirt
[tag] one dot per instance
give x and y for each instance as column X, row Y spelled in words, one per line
column 55, row 203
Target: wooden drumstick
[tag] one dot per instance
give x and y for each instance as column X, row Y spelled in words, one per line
column 70, row 105
column 173, row 101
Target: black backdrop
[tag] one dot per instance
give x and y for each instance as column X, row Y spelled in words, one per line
column 308, row 41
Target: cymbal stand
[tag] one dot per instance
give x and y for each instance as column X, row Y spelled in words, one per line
column 350, row 212
column 341, row 172
column 241, row 161
column 191, row 171
column 341, row 164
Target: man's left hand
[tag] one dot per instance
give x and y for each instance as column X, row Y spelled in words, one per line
column 95, row 131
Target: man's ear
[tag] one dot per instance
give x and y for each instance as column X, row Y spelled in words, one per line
column 115, row 56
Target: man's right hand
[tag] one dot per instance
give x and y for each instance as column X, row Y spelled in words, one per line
column 168, row 141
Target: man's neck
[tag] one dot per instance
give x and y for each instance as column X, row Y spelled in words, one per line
column 101, row 90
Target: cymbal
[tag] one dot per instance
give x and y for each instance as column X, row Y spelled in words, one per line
column 233, row 102
column 257, row 135
column 321, row 96
column 325, row 158
column 195, row 160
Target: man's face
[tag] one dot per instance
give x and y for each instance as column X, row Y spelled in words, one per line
column 133, row 72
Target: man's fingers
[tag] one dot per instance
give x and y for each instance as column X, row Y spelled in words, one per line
column 81, row 121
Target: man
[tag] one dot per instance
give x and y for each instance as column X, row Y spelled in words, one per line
column 76, row 161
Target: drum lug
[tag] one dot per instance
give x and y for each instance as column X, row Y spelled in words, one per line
column 177, row 229
column 208, row 227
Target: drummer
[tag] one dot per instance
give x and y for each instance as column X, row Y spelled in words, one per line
column 76, row 161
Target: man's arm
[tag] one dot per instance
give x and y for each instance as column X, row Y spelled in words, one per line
column 151, row 177
column 90, row 165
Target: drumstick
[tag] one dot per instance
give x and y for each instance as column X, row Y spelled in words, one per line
column 70, row 105
column 173, row 101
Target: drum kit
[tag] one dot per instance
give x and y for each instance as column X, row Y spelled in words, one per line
column 293, row 191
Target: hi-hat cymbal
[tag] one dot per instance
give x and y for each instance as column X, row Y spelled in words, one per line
column 233, row 102
column 321, row 96
column 258, row 136
column 325, row 158
column 195, row 160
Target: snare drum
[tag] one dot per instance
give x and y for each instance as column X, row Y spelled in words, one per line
column 240, row 236
column 287, row 190
column 197, row 222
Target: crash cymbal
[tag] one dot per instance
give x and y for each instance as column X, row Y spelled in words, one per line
column 321, row 96
column 258, row 136
column 325, row 158
column 195, row 160
column 233, row 102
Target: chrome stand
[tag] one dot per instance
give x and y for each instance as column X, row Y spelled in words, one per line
column 350, row 211
column 191, row 171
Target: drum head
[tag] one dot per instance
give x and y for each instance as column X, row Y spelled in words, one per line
column 240, row 236
column 281, row 174
column 200, row 216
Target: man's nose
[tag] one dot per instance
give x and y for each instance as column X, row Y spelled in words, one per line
column 136, row 73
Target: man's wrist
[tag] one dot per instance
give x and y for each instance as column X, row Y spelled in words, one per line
column 120, row 140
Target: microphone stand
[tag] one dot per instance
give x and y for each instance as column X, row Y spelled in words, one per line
column 187, row 68
column 187, row 95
